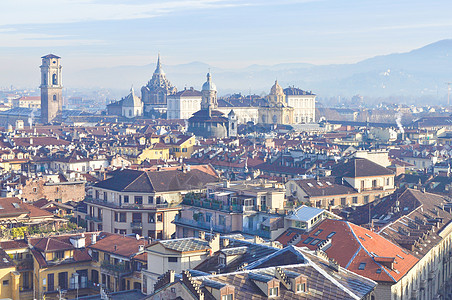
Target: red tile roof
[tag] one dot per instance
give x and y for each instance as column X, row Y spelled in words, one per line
column 352, row 246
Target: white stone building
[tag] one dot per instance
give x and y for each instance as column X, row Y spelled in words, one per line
column 183, row 104
column 303, row 103
column 132, row 106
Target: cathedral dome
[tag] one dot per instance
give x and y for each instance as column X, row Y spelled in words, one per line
column 209, row 85
column 276, row 89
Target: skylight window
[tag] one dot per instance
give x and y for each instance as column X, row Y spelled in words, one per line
column 379, row 271
column 314, row 242
column 318, row 232
column 331, row 235
column 328, row 183
column 306, row 241
column 319, row 183
column 16, row 205
column 309, row 184
column 362, row 266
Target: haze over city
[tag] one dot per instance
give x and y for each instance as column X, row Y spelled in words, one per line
column 227, row 35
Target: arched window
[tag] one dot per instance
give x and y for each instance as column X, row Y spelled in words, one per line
column 54, row 98
column 130, row 113
column 54, row 79
column 275, row 119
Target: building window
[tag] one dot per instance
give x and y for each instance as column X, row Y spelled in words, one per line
column 301, row 287
column 59, row 254
column 150, row 199
column 366, row 199
column 50, row 282
column 208, row 217
column 355, row 200
column 138, row 200
column 5, row 282
column 343, row 201
column 159, row 217
column 222, row 220
column 273, row 292
column 227, row 297
column 221, row 260
column 126, row 199
column 172, row 259
column 362, row 266
column 151, row 218
column 62, row 280
column 95, row 256
column 120, row 217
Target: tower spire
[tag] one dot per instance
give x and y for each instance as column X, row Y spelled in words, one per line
column 158, row 69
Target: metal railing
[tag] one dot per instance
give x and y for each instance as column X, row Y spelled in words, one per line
column 217, row 205
column 120, row 269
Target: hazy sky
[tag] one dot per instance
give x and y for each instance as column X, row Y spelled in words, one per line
column 235, row 33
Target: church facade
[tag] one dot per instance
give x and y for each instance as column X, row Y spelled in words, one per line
column 276, row 111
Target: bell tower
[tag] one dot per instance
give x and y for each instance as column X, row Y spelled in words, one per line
column 51, row 89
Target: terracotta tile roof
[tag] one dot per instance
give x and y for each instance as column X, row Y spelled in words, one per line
column 352, row 245
column 36, row 212
column 12, row 207
column 118, row 244
column 13, row 244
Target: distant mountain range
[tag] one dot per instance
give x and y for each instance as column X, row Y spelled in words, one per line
column 423, row 71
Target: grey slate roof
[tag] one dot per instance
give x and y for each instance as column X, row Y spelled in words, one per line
column 360, row 167
column 156, row 181
column 185, row 244
column 323, row 281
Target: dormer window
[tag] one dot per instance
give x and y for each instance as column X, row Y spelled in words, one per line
column 59, row 254
column 221, row 260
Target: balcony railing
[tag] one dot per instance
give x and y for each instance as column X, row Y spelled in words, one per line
column 203, row 225
column 119, row 269
column 92, row 200
column 93, row 218
column 217, row 205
